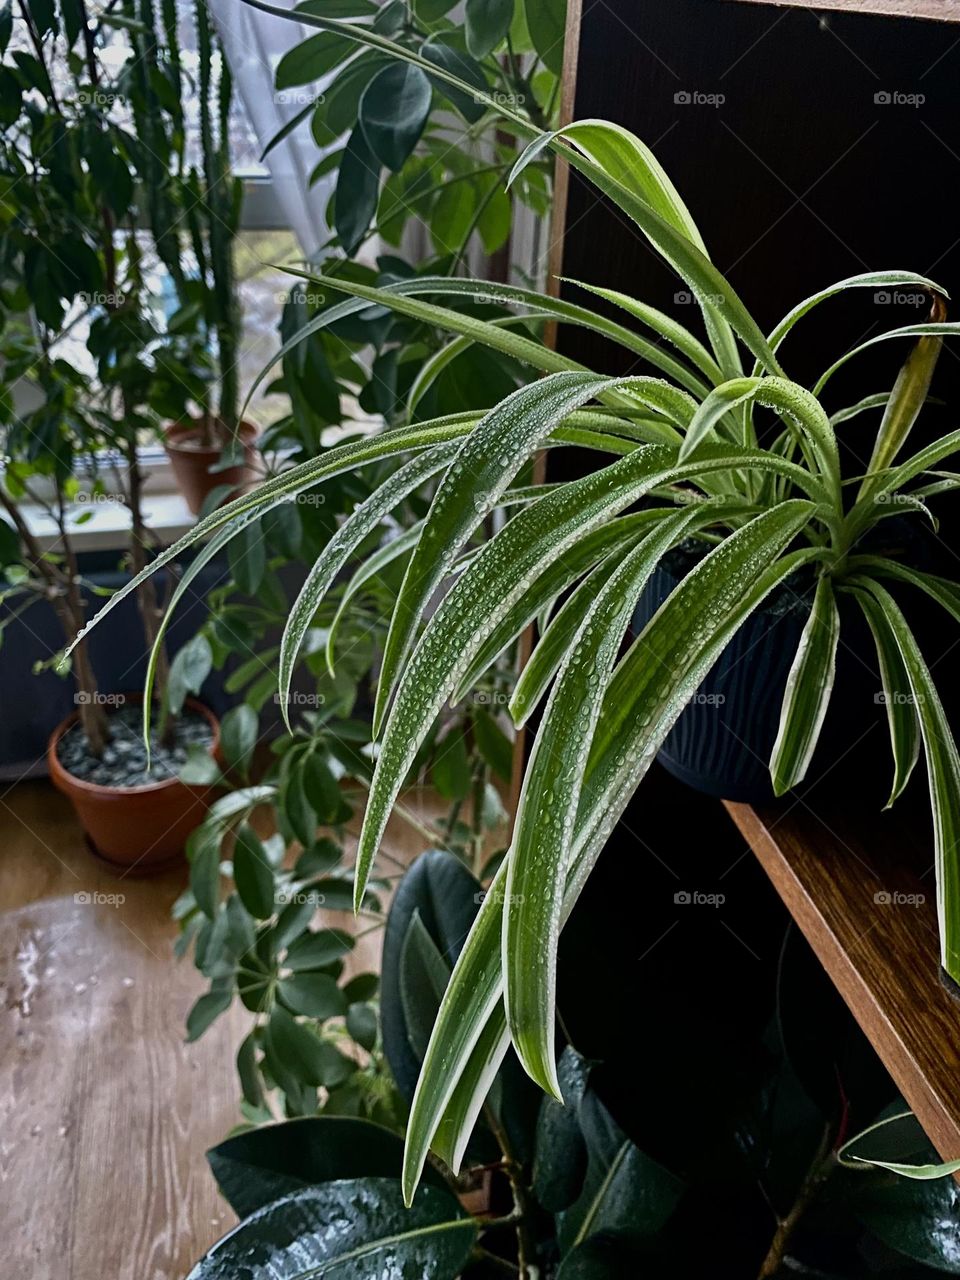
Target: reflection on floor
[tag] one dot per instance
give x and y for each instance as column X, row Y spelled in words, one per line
column 105, row 1112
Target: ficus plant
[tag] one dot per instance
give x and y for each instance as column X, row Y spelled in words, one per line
column 622, row 1178
column 685, row 460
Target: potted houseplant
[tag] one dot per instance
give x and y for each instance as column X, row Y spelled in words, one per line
column 687, row 444
column 75, row 414
column 213, row 449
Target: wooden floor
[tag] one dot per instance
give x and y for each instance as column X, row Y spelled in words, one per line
column 105, row 1112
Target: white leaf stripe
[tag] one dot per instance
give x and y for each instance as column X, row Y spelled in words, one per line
column 539, row 852
column 807, row 693
column 362, row 521
column 943, row 774
column 901, row 714
column 619, row 758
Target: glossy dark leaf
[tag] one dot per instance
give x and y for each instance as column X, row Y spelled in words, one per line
column 353, row 1229
column 493, row 744
column 443, row 892
column 560, row 1159
column 358, row 187
column 262, row 1165
column 247, row 554
column 311, row 58
column 450, row 59
column 189, row 669
column 488, row 22
column 624, row 1190
column 320, row 787
column 393, row 111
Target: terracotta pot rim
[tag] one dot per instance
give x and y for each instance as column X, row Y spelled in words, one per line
column 175, row 432
column 59, row 772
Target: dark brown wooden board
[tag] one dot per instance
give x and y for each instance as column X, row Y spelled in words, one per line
column 862, row 891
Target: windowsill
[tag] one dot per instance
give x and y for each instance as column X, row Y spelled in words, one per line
column 166, row 514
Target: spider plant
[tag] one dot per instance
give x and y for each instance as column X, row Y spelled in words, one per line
column 684, row 459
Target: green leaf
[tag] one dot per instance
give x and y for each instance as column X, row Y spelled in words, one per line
column 493, row 744
column 452, row 216
column 549, row 799
column 440, row 892
column 203, row 850
column 451, row 767
column 907, row 398
column 500, row 573
column 209, row 1007
column 807, row 693
column 788, row 398
column 358, row 525
column 316, row 995
column 323, row 796
column 945, row 329
column 483, row 468
column 468, row 100
column 317, row 950
column 488, row 22
column 253, row 874
column 188, row 670
column 701, row 616
column 546, row 22
column 898, row 698
column 297, row 808
column 199, row 769
column 303, row 1053
column 560, row 1153
column 249, row 1075
column 943, row 772
column 663, row 325
column 238, row 736
column 255, row 1168
column 312, row 58
column 362, row 1025
column 354, row 1229
column 393, row 111
column 424, row 975
column 900, row 1134
column 247, row 554
column 624, row 1191
column 358, row 188
column 570, row 313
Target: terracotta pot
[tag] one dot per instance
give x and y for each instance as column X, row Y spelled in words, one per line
column 140, row 828
column 191, row 462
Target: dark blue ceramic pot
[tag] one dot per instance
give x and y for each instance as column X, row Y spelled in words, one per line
column 722, row 741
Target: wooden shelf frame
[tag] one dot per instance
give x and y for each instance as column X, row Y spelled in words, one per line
column 862, row 891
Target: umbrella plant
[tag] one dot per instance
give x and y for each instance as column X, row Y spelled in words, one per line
column 683, row 457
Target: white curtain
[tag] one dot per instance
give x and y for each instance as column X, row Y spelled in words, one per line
column 254, row 43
